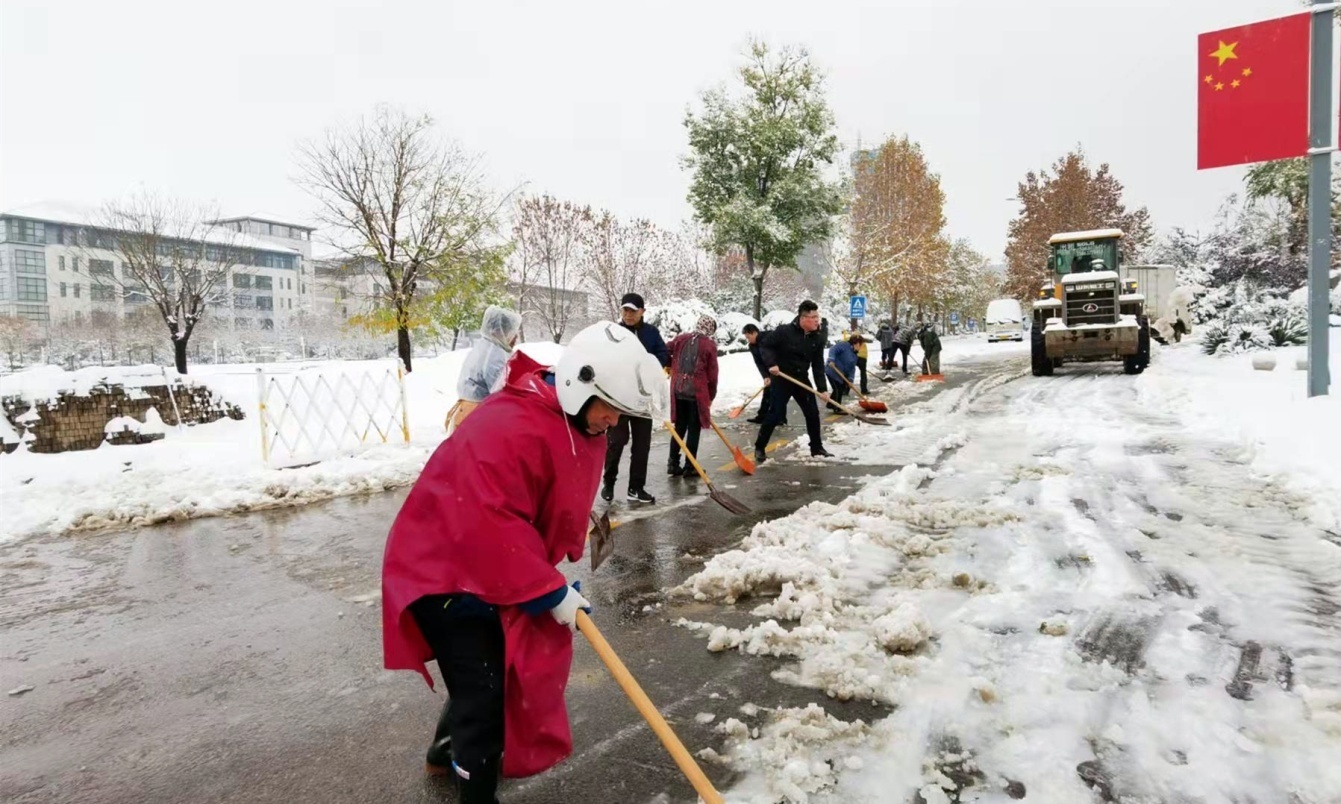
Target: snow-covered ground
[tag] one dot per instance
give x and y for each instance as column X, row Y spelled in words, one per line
column 1090, row 587
column 217, row 468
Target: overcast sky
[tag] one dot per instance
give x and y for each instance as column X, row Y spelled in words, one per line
column 585, row 100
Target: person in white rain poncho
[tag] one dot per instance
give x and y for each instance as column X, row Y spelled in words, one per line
column 483, row 372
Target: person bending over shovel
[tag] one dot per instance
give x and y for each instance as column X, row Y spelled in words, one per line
column 469, row 577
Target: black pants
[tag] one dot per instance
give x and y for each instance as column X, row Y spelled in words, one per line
column 836, row 393
column 766, row 406
column 781, row 391
column 615, row 439
column 887, row 357
column 469, row 652
column 904, row 348
column 687, row 425
column 861, row 367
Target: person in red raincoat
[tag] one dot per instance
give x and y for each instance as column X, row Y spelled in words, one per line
column 470, row 576
column 693, row 388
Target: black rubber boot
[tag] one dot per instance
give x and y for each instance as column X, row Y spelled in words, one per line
column 481, row 787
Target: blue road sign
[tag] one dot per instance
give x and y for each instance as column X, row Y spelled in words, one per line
column 954, row 318
column 858, row 307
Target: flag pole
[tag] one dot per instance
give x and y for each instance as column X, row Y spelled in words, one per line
column 1320, row 151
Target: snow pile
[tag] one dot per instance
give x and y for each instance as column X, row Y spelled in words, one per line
column 1137, row 606
column 794, row 756
column 830, row 568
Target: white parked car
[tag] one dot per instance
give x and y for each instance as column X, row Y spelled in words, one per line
column 1004, row 321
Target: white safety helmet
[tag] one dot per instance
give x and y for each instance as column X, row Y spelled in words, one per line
column 1098, row 265
column 607, row 361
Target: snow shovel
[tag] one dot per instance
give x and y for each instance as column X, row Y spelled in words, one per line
column 644, row 705
column 735, row 412
column 873, row 405
column 859, row 417
column 720, row 497
column 746, row 465
column 602, row 541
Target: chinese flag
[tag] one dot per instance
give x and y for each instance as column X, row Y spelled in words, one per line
column 1252, row 85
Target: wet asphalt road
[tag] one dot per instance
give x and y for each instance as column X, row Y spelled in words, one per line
column 239, row 659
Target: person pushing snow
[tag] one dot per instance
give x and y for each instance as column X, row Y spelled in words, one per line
column 469, row 576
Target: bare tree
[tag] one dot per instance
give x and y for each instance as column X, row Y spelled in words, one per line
column 404, row 206
column 551, row 239
column 15, row 333
column 173, row 255
column 623, row 257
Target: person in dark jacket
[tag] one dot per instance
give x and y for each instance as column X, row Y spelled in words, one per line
column 693, row 383
column 931, row 349
column 903, row 343
column 639, row 430
column 752, row 335
column 885, row 335
column 793, row 349
column 843, row 363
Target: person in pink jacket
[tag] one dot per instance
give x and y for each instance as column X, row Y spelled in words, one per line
column 470, row 577
column 693, row 388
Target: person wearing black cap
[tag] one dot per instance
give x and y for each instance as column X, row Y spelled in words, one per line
column 631, row 427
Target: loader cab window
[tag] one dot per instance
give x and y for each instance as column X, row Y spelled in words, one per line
column 1079, row 257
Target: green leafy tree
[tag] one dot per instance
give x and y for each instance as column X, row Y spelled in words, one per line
column 758, row 162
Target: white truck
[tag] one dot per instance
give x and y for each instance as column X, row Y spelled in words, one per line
column 1004, row 321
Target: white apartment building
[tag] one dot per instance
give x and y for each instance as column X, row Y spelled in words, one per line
column 47, row 275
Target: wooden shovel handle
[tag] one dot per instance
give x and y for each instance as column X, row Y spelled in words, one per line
column 644, row 705
column 721, row 435
column 689, row 456
column 747, row 402
column 849, row 382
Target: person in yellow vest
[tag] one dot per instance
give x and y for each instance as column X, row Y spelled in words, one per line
column 861, row 358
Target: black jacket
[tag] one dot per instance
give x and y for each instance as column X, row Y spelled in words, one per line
column 758, row 358
column 795, row 352
column 651, row 339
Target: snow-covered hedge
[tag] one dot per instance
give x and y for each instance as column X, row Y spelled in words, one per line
column 681, row 315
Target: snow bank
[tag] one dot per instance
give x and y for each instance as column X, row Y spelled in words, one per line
column 1283, row 432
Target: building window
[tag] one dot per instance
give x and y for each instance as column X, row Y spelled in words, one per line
column 31, row 262
column 241, row 323
column 28, row 231
column 101, row 268
column 102, row 293
column 290, row 304
column 241, row 280
column 265, row 303
column 61, row 261
column 76, row 290
column 62, row 290
column 135, row 294
column 32, row 289
column 242, row 300
column 33, row 312
column 263, row 283
column 267, row 323
column 74, row 263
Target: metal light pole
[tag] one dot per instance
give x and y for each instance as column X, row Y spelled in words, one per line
column 1320, row 196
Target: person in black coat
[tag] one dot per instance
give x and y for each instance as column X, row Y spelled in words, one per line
column 632, row 427
column 794, row 349
column 752, row 334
